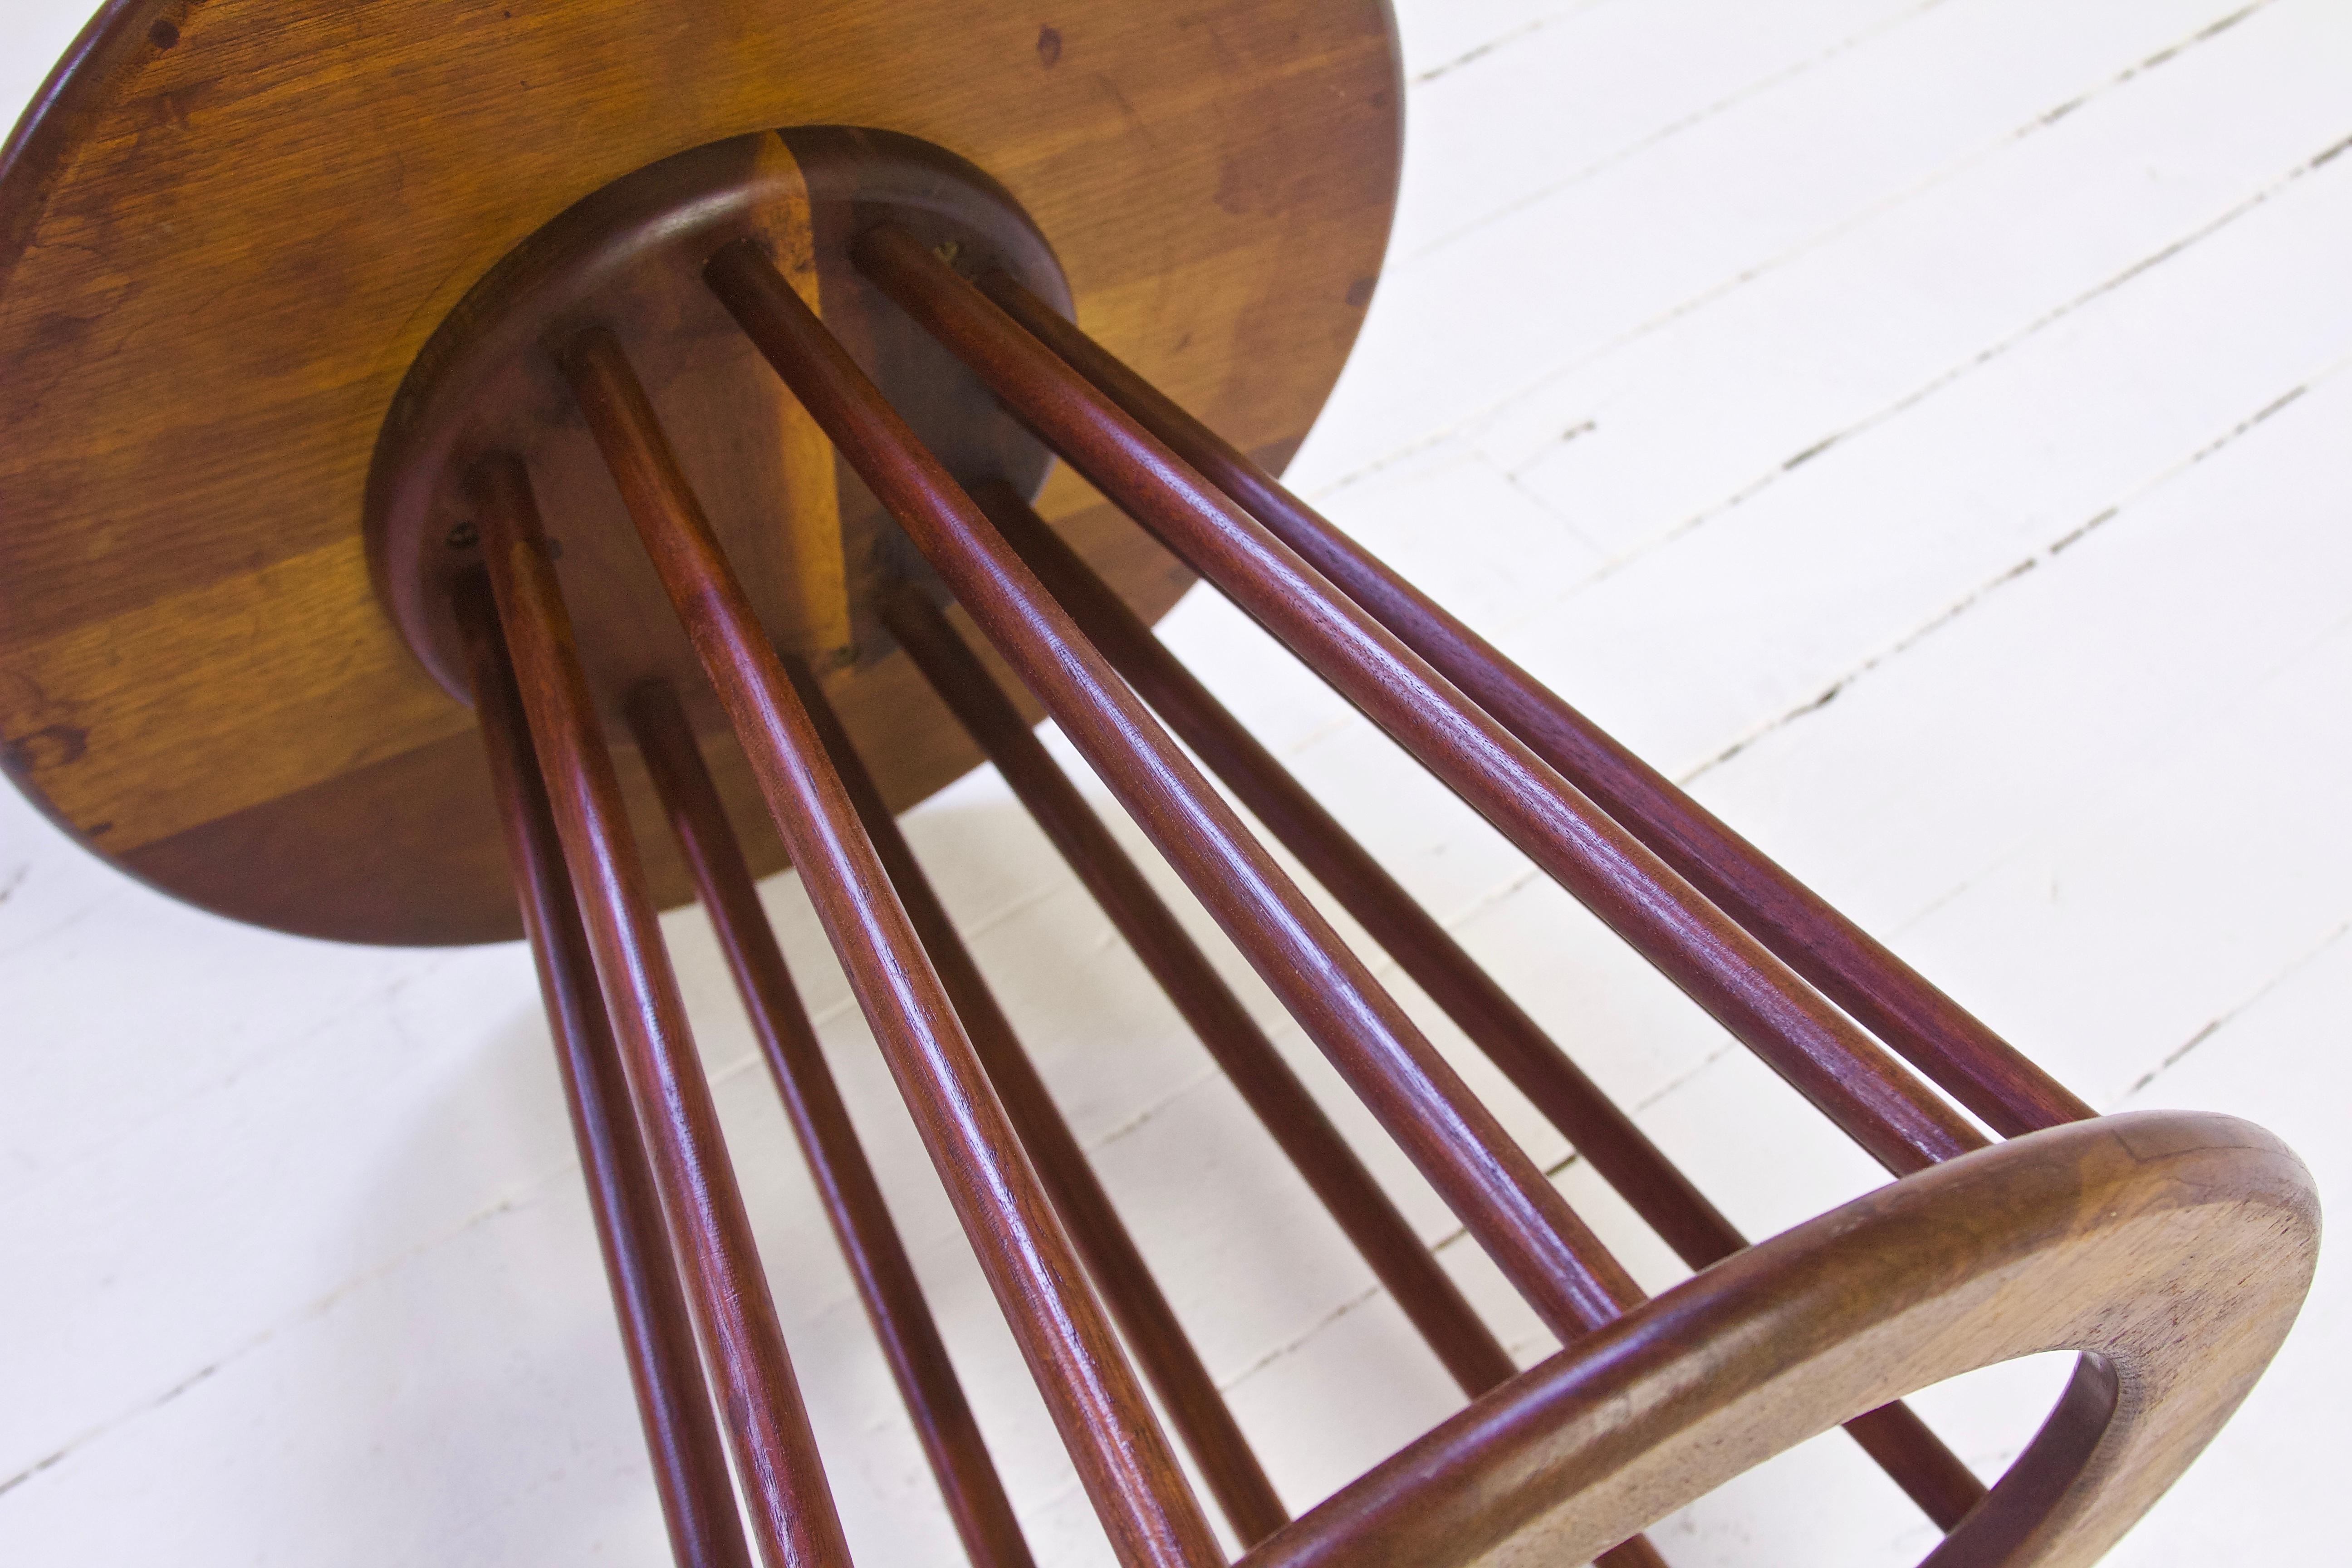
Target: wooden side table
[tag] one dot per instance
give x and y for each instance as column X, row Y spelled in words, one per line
column 436, row 437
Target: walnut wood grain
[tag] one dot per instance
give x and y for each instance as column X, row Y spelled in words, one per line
column 810, row 543
column 227, row 228
column 2171, row 1249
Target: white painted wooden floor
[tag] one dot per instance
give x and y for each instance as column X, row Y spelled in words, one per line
column 1921, row 427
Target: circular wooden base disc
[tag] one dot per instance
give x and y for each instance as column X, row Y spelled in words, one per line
column 228, row 228
column 811, row 545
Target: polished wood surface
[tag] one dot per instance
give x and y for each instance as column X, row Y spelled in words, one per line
column 1857, row 1083
column 1422, row 947
column 777, row 1466
column 227, row 230
column 537, row 272
column 689, row 1463
column 2172, row 1249
column 1414, row 1279
column 811, row 545
column 1890, row 998
column 1534, row 1236
column 877, row 1260
column 1540, row 1244
column 1593, row 1125
column 1097, row 1404
column 1146, row 1322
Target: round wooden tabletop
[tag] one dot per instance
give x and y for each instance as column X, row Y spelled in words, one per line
column 226, row 228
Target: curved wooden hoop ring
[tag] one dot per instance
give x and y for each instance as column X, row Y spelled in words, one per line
column 2172, row 1249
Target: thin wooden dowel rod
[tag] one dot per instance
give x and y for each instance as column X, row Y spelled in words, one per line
column 1599, row 1131
column 1155, row 1336
column 1916, row 1459
column 776, row 1463
column 993, row 1035
column 853, row 1200
column 1794, row 1028
column 1122, row 1458
column 1534, row 1236
column 689, row 1460
column 1593, row 1125
column 1934, row 1033
column 1412, row 1276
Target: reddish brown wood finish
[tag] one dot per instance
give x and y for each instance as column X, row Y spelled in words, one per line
column 844, row 1181
column 689, row 1463
column 810, row 552
column 1556, row 1262
column 1971, row 1063
column 1529, row 1230
column 1470, row 1352
column 196, row 675
column 1938, row 1480
column 1122, row 1458
column 782, row 1478
column 167, row 557
column 1666, row 1200
column 1149, row 1324
column 1424, row 948
column 1818, row 1049
column 2172, row 1249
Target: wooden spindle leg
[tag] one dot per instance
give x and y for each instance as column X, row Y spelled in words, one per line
column 1555, row 1261
column 1420, row 1286
column 1150, row 1325
column 844, row 1181
column 1529, row 1230
column 792, row 1510
column 1865, row 1091
column 1122, row 1457
column 1423, row 948
column 1934, row 1033
column 689, row 1463
column 1668, row 1201
column 1120, row 1273
column 1938, row 1480
column 1957, row 1051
